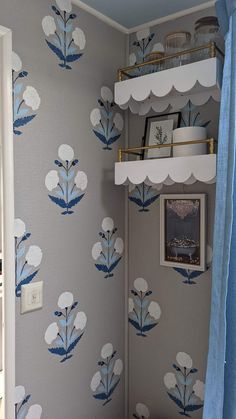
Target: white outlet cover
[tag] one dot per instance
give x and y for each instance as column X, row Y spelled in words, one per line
column 31, row 297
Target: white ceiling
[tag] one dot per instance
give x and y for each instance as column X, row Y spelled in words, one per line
column 132, row 13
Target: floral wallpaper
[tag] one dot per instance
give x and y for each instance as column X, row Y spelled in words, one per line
column 58, row 211
column 23, row 407
column 27, row 259
column 69, row 233
column 67, row 41
column 143, row 313
column 25, row 99
column 142, row 411
column 105, row 381
column 108, row 251
column 186, row 392
column 66, row 333
column 67, row 185
column 107, row 124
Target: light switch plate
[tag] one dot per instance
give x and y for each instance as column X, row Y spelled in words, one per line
column 31, row 297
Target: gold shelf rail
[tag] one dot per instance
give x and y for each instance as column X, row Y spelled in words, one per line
column 212, row 48
column 135, row 150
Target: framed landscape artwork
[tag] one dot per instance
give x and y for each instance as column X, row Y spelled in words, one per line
column 183, row 231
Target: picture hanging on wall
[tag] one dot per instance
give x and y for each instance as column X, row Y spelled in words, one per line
column 159, row 131
column 183, row 231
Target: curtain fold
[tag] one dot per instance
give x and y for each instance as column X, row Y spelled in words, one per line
column 220, row 392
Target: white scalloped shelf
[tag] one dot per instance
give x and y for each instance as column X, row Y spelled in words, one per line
column 186, row 170
column 176, row 86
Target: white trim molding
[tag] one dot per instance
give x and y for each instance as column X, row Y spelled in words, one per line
column 174, row 16
column 7, row 219
column 155, row 22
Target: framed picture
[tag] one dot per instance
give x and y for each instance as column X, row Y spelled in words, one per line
column 159, row 130
column 183, row 231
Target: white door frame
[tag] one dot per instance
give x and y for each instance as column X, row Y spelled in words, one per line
column 7, row 171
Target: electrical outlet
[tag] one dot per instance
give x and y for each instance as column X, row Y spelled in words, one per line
column 31, row 297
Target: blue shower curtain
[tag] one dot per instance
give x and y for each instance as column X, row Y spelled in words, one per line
column 220, row 393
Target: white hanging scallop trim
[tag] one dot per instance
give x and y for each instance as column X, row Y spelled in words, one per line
column 197, row 81
column 186, row 170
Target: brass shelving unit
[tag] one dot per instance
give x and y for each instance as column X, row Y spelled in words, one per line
column 138, row 150
column 211, row 49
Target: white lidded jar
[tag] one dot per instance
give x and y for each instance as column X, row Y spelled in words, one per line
column 189, row 134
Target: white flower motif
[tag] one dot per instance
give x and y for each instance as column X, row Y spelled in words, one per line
column 64, row 5
column 132, row 59
column 19, row 394
column 95, row 381
column 81, row 180
column 119, row 246
column 79, row 38
column 80, row 320
column 65, row 300
column 107, row 224
column 199, row 389
column 118, row 367
column 16, row 62
column 184, row 360
column 106, row 94
column 141, row 285
column 107, row 350
column 95, row 117
column 51, row 180
column 31, row 98
column 51, row 333
column 34, row 256
column 19, row 228
column 96, row 250
column 34, row 412
column 118, row 121
column 143, row 34
column 170, row 380
column 131, row 305
column 142, row 410
column 154, row 310
column 158, row 47
column 49, row 25
column 66, row 152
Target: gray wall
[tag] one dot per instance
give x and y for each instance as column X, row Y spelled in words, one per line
column 183, row 325
column 67, row 98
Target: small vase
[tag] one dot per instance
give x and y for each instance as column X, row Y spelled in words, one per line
column 189, row 134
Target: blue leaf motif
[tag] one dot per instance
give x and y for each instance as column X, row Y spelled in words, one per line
column 193, row 407
column 58, row 201
column 101, row 137
column 22, row 112
column 73, row 344
column 100, row 396
column 102, row 268
column 68, row 28
column 73, row 57
column 24, row 282
column 17, row 88
column 134, row 323
column 149, row 327
column 114, row 264
column 56, row 50
column 23, row 121
column 75, row 201
column 177, row 401
column 57, row 351
column 20, row 252
column 113, row 139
